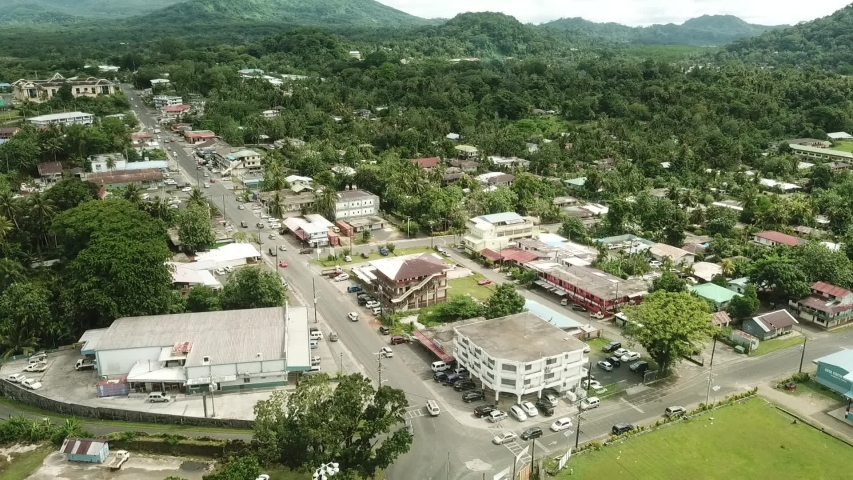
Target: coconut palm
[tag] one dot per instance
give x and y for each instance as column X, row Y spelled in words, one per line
column 197, row 198
column 41, row 211
column 6, row 226
column 10, row 207
column 132, row 193
column 727, row 267
column 111, row 162
column 325, row 201
column 10, row 272
column 17, row 340
column 276, row 205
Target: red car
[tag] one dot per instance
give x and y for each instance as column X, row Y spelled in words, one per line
column 397, row 340
column 484, row 282
column 282, row 264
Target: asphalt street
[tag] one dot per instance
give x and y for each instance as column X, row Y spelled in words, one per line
column 444, row 448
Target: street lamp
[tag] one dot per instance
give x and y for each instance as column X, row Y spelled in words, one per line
column 325, row 471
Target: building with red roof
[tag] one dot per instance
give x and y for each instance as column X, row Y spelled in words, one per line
column 828, row 306
column 427, row 163
column 774, row 239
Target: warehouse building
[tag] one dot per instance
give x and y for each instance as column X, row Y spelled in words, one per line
column 192, row 352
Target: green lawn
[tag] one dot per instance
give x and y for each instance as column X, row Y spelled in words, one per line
column 768, row 346
column 843, row 146
column 468, row 285
column 25, row 464
column 749, row 440
column 815, row 389
column 374, row 255
column 595, row 345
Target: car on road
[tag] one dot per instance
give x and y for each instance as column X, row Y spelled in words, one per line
column 282, row 263
column 187, row 189
column 589, row 403
column 354, row 289
column 529, row 409
column 244, row 224
column 206, row 174
column 639, row 367
column 578, row 308
column 229, row 269
column 36, row 367
column 504, row 437
column 386, row 352
column 591, row 384
column 16, row 377
column 630, row 357
column 517, row 413
column 282, row 248
column 261, row 226
column 220, row 271
column 306, row 250
column 620, row 351
column 397, row 340
column 353, row 316
column 333, row 336
column 605, row 365
column 496, row 416
column 342, row 277
column 674, row 411
column 621, row 428
column 610, row 347
column 530, row 433
column 545, row 407
column 473, row 396
column 482, row 410
column 272, row 252
column 241, row 207
column 384, row 330
column 271, row 236
column 484, row 282
column 561, row 424
column 206, row 186
column 464, row 385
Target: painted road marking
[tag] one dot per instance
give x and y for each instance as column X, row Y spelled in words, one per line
column 632, row 405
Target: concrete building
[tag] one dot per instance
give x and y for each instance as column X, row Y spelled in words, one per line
column 835, row 372
column 840, row 136
column 356, row 204
column 828, row 306
column 312, row 232
column 174, row 112
column 229, row 255
column 67, row 118
column 184, row 278
column 161, row 101
column 677, row 256
column 817, row 153
column 238, row 163
column 195, row 137
column 195, row 352
column 520, row 355
column 99, row 163
column 39, row 91
column 408, row 282
column 50, row 172
column 496, row 231
column 496, row 179
column 118, row 179
column 770, row 325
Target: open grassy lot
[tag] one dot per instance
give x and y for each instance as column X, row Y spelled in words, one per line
column 22, row 465
column 768, row 346
column 843, row 146
column 468, row 285
column 815, row 389
column 374, row 255
column 748, row 440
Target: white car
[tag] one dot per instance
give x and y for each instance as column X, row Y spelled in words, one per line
column 353, row 316
column 34, row 385
column 206, row 185
column 630, row 356
column 518, row 413
column 504, row 437
column 529, row 409
column 264, row 216
column 187, row 189
column 386, row 352
column 589, row 403
column 27, row 382
column 347, row 258
column 241, row 207
column 561, row 424
column 370, row 305
column 619, row 352
column 593, row 384
column 229, row 269
column 220, row 271
column 272, row 236
column 275, row 225
column 496, row 416
column 273, row 220
column 282, row 248
column 654, row 264
column 174, row 206
column 16, row 377
column 605, row 365
column 586, row 348
column 342, row 277
column 36, row 367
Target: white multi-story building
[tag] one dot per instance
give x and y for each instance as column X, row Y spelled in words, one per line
column 161, row 101
column 38, row 91
column 520, row 354
column 356, row 204
column 68, row 118
column 496, row 231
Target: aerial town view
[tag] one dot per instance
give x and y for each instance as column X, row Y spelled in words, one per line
column 426, row 240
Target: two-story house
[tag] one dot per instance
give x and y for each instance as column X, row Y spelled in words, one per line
column 520, row 354
column 496, row 231
column 161, row 101
column 410, row 282
column 356, row 204
column 38, row 91
column 828, row 306
column 238, row 163
column 174, row 112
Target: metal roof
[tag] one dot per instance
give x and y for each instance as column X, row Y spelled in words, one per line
column 714, row 292
column 523, row 337
column 830, row 289
column 82, row 446
column 505, row 217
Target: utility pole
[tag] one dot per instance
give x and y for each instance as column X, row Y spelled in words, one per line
column 314, row 294
column 711, row 371
column 803, row 354
column 578, row 430
column 379, row 369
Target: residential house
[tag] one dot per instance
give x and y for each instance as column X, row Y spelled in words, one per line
column 50, row 171
column 38, row 91
column 466, row 151
column 495, row 179
column 159, row 82
column 715, row 295
column 505, row 163
column 451, row 177
column 238, row 163
column 86, row 450
column 467, row 166
column 770, row 325
column 564, row 201
column 174, row 112
column 195, row 137
column 496, row 231
column 161, row 101
column 453, row 137
column 101, row 163
column 809, row 142
column 838, row 166
column 361, row 224
column 828, row 306
column 6, row 133
column 774, row 239
column 510, row 257
column 678, row 256
column 721, row 319
column 291, row 202
column 410, row 282
column 355, row 54
column 783, row 186
column 185, row 277
column 738, row 285
column 67, row 118
column 311, row 230
column 356, row 204
column 706, row 271
column 298, row 181
column 628, row 243
column 112, row 180
column 816, row 153
column 575, row 183
column 270, row 114
column 427, row 163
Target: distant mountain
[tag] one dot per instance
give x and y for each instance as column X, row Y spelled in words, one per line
column 355, row 13
column 701, row 31
column 826, row 42
column 73, row 11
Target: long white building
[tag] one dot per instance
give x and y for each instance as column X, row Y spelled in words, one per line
column 520, row 354
column 67, row 118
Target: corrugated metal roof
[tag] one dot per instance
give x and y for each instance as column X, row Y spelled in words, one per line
column 830, row 289
column 505, row 217
column 779, row 237
column 82, row 446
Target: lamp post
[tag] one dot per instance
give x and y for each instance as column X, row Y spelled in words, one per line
column 326, row 470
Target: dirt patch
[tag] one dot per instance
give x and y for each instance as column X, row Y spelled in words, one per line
column 138, row 467
column 18, row 449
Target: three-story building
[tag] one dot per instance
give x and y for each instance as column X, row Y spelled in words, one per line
column 496, row 231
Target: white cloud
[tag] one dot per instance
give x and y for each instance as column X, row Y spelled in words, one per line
column 628, row 12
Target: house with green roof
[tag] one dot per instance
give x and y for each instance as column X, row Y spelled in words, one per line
column 715, row 294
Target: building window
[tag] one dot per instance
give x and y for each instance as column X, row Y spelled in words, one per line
column 508, row 368
column 508, row 382
column 526, row 383
column 528, row 367
column 549, row 375
column 247, row 380
column 491, row 362
column 489, row 374
column 550, row 361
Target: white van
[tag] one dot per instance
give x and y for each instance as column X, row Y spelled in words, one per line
column 590, row 403
column 316, row 335
column 439, row 366
column 432, row 408
column 314, row 344
column 157, row 397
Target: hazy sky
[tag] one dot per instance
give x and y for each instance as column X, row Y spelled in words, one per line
column 628, row 12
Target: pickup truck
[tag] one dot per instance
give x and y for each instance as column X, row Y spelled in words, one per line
column 85, row 363
column 332, row 271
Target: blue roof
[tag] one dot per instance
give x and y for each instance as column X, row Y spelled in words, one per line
column 505, row 217
column 843, row 359
column 551, row 316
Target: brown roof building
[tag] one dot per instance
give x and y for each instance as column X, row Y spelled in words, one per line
column 118, row 178
column 410, row 282
column 7, row 133
column 426, row 163
column 50, row 170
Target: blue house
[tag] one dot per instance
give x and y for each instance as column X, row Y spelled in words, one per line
column 85, row 450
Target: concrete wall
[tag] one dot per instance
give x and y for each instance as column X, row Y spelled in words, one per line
column 119, row 362
column 28, row 397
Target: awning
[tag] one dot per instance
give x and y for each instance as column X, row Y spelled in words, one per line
column 433, row 347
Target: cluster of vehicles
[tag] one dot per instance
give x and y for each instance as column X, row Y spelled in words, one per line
column 620, row 356
column 37, row 363
column 366, row 300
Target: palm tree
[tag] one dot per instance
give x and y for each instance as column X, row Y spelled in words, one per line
column 5, row 227
column 132, row 193
column 10, row 272
column 10, row 207
column 18, row 340
column 41, row 212
column 111, row 162
column 727, row 267
column 276, row 205
column 197, row 198
column 325, row 201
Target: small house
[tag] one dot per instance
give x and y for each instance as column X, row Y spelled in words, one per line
column 85, row 450
column 714, row 294
column 770, row 325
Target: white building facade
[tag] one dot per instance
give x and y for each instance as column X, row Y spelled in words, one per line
column 355, row 204
column 68, row 118
column 496, row 231
column 161, row 101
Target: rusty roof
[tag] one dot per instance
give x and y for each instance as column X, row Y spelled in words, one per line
column 429, row 162
column 830, row 289
column 82, row 446
column 779, row 237
column 49, row 168
column 146, row 175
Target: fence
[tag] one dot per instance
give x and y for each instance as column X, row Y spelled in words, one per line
column 27, row 397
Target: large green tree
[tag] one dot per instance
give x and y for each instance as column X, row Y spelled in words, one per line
column 669, row 325
column 194, row 228
column 353, row 424
column 203, row 299
column 67, row 194
column 253, row 288
column 24, row 317
column 745, row 305
column 504, row 301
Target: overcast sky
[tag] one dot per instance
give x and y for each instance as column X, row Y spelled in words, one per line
column 628, row 12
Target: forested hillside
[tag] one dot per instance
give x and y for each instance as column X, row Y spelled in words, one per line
column 826, row 42
column 706, row 30
column 71, row 11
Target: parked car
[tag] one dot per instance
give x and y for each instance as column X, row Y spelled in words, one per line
column 482, row 410
column 504, row 437
column 639, row 367
column 376, row 311
column 621, row 428
column 282, row 248
column 354, row 289
column 27, row 382
column 674, row 411
column 561, row 424
column 614, row 361
column 611, row 347
column 16, row 377
column 33, row 385
column 398, row 340
column 620, row 351
column 220, row 271
column 545, row 407
column 605, row 365
column 386, row 352
column 591, row 384
column 372, row 304
column 586, row 348
column 472, row 396
column 453, row 378
column 589, row 403
column 484, row 282
column 229, row 269
column 578, row 308
column 261, row 226
column 384, row 330
column 630, row 357
column 517, row 413
column 439, row 376
column 496, row 416
column 36, row 367
column 532, row 432
column 342, row 277
column 529, row 409
column 654, row 264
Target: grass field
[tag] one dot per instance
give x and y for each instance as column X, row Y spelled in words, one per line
column 768, row 346
column 843, row 146
column 22, row 465
column 374, row 255
column 748, row 440
column 815, row 389
column 468, row 285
